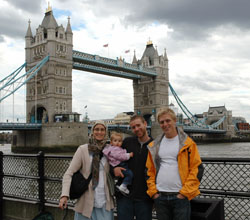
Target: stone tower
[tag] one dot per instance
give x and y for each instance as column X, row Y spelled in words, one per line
column 151, row 94
column 50, row 91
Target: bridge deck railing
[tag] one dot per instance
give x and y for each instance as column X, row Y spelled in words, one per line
column 38, row 178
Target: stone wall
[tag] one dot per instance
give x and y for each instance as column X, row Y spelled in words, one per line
column 53, row 137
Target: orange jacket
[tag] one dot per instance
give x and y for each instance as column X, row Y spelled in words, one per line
column 189, row 163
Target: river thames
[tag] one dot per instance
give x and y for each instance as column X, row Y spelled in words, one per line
column 239, row 150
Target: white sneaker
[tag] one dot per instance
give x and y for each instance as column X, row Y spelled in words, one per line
column 123, row 189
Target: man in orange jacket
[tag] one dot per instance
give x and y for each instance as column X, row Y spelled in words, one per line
column 174, row 170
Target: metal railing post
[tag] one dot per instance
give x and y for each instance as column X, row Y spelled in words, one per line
column 1, row 185
column 41, row 183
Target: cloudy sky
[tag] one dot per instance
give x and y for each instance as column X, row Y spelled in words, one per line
column 206, row 42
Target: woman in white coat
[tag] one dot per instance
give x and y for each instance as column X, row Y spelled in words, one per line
column 96, row 203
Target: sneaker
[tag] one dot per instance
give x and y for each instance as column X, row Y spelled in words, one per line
column 123, row 189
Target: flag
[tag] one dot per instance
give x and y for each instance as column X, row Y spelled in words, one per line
column 105, row 45
column 127, row 51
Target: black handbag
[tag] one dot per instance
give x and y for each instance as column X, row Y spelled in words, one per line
column 79, row 184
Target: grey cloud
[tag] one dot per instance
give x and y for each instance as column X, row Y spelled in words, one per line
column 14, row 20
column 32, row 6
column 12, row 26
column 207, row 82
column 1, row 39
column 189, row 18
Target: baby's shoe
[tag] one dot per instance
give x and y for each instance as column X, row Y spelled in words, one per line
column 123, row 189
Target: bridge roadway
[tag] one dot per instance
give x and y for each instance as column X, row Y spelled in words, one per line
column 37, row 126
column 20, row 126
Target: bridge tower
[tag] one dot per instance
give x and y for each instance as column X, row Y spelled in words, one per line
column 151, row 94
column 50, row 91
column 215, row 113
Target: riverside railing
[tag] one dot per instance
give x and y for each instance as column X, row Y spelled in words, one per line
column 38, row 178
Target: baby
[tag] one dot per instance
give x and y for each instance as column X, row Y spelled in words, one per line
column 118, row 156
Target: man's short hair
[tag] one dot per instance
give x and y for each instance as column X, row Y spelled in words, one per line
column 134, row 117
column 165, row 111
column 114, row 133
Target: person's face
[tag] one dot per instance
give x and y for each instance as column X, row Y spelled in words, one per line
column 116, row 141
column 138, row 127
column 168, row 125
column 99, row 132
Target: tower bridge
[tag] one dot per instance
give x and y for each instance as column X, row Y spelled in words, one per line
column 49, row 87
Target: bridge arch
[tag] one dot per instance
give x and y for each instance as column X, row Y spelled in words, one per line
column 220, row 126
column 148, row 119
column 38, row 114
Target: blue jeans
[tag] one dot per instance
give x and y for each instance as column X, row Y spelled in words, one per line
column 169, row 207
column 128, row 208
column 97, row 214
column 128, row 174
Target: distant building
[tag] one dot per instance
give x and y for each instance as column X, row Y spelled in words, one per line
column 239, row 119
column 120, row 118
column 67, row 117
column 175, row 109
column 243, row 126
column 106, row 121
column 123, row 118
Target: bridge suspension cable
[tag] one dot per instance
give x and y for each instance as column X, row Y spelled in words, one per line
column 217, row 123
column 185, row 110
column 14, row 79
column 192, row 118
column 13, row 74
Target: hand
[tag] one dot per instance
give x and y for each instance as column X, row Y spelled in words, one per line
column 118, row 171
column 131, row 154
column 155, row 196
column 180, row 196
column 63, row 202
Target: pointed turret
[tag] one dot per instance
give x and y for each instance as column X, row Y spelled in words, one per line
column 69, row 33
column 156, row 52
column 49, row 20
column 68, row 29
column 165, row 54
column 28, row 33
column 149, row 53
column 52, row 24
column 28, row 38
column 134, row 59
column 156, row 57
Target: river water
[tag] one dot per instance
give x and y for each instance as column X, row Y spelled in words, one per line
column 241, row 150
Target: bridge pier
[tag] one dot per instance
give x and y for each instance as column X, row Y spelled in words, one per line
column 52, row 137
